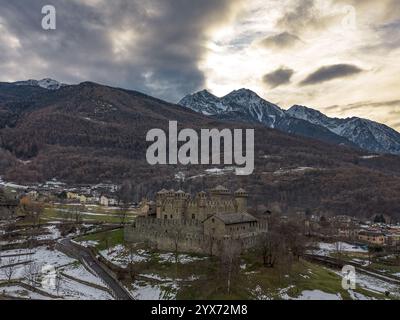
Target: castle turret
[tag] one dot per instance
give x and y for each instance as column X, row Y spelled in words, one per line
column 241, row 196
column 219, row 193
column 160, row 198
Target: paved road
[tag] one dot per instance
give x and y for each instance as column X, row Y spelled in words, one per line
column 119, row 291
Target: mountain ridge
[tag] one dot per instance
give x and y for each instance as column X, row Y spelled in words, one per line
column 245, row 105
column 90, row 133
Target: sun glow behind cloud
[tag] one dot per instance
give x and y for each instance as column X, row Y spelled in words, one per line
column 332, row 33
column 347, row 49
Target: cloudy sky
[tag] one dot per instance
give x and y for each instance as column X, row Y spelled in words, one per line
column 339, row 56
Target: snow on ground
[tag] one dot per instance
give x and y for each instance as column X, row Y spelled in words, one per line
column 182, row 258
column 327, row 248
column 52, row 233
column 41, row 256
column 145, row 291
column 372, row 156
column 318, row 295
column 364, row 263
column 358, row 296
column 43, row 259
column 22, row 293
column 218, row 171
column 121, row 256
column 376, row 285
column 283, row 292
column 73, row 290
column 80, row 272
column 308, row 295
column 295, row 170
column 88, row 243
column 259, row 294
column 373, row 284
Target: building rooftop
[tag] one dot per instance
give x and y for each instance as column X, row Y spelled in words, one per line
column 235, row 218
column 220, row 188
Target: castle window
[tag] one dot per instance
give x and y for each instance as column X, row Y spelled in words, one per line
column 165, row 216
column 193, row 216
column 212, row 220
column 171, row 216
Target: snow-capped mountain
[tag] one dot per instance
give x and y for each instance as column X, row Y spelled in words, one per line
column 46, row 83
column 241, row 104
column 246, row 106
column 366, row 134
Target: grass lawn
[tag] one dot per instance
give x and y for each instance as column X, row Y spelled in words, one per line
column 105, row 239
column 88, row 214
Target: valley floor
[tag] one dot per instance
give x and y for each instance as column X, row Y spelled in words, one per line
column 149, row 274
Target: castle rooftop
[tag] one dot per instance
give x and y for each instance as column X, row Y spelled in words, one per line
column 234, row 218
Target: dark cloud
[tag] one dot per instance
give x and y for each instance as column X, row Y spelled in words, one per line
column 278, row 77
column 303, row 15
column 153, row 46
column 328, row 73
column 281, row 41
column 365, row 105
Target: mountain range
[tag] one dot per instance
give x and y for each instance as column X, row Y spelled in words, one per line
column 245, row 105
column 90, row 133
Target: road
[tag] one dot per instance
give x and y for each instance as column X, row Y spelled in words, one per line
column 83, row 254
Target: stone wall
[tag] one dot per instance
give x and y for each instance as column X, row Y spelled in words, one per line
column 189, row 236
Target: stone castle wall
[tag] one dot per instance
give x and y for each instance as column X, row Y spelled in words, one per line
column 188, row 235
column 164, row 234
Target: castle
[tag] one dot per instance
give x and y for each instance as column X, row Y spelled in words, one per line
column 176, row 221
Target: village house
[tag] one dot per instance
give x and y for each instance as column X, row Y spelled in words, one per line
column 107, row 201
column 372, row 237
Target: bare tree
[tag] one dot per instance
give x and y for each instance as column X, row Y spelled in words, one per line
column 271, row 248
column 58, row 282
column 292, row 232
column 124, row 197
column 177, row 237
column 32, row 271
column 229, row 253
column 9, row 268
column 131, row 264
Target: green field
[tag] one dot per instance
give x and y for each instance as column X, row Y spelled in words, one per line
column 105, row 239
column 64, row 212
column 203, row 278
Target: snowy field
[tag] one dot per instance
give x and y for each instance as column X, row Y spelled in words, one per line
column 373, row 285
column 121, row 256
column 48, row 271
column 325, row 249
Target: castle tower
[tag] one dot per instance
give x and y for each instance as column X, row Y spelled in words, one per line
column 160, row 198
column 219, row 193
column 179, row 205
column 241, row 196
column 201, row 200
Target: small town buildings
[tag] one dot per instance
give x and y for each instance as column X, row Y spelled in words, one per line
column 372, row 237
column 107, row 201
